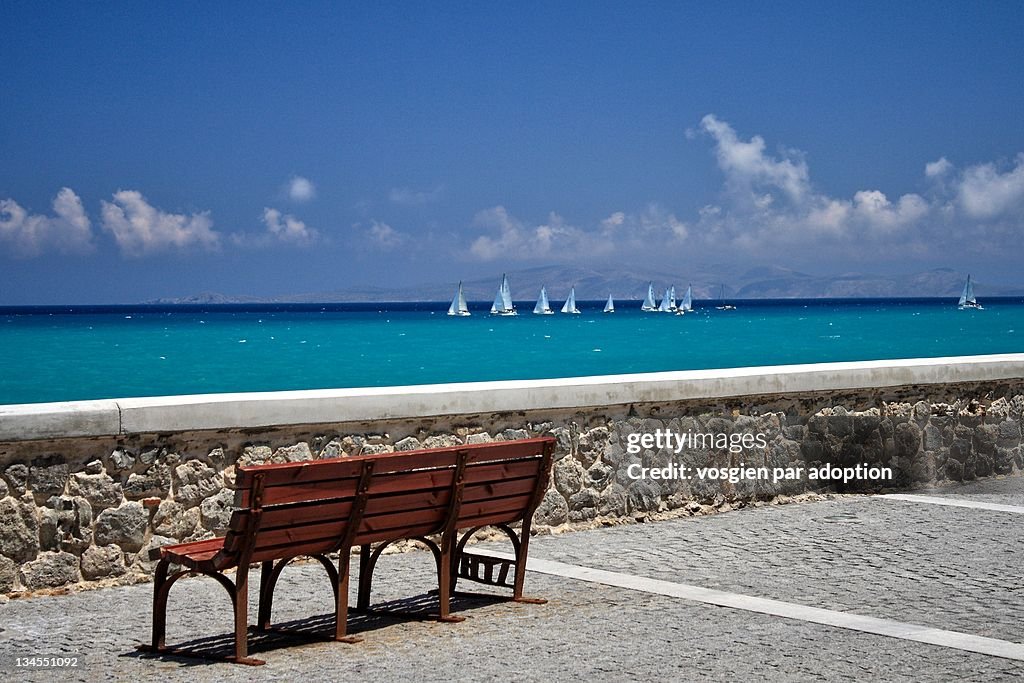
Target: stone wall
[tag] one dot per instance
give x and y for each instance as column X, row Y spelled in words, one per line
column 89, row 509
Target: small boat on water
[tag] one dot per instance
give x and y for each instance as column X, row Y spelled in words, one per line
column 649, row 303
column 570, row 304
column 668, row 302
column 722, row 306
column 967, row 300
column 503, row 300
column 610, row 306
column 459, row 306
column 543, row 307
column 686, row 305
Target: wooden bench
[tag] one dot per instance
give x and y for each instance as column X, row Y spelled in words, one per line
column 318, row 507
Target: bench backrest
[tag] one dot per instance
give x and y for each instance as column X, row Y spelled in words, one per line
column 320, row 506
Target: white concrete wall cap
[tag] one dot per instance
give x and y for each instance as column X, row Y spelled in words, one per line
column 325, row 406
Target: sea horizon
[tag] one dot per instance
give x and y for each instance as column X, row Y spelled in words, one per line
column 78, row 352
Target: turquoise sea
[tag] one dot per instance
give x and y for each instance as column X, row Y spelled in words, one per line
column 56, row 354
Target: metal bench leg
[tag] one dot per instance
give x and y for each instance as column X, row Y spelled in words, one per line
column 160, row 592
column 241, row 603
column 365, row 578
column 341, row 606
column 266, row 594
column 444, row 580
column 521, row 551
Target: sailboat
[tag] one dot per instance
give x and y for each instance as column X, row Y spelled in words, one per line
column 503, row 300
column 967, row 300
column 570, row 304
column 721, row 297
column 668, row 302
column 686, row 305
column 458, row 306
column 649, row 304
column 543, row 307
column 610, row 306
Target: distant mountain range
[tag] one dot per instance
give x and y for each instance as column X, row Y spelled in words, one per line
column 770, row 282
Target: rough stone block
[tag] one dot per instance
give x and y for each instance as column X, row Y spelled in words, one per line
column 553, row 510
column 215, row 512
column 255, row 455
column 599, row 476
column 480, row 437
column 296, row 453
column 121, row 459
column 50, row 570
column 409, row 443
column 8, row 572
column 512, row 435
column 568, row 477
column 194, row 481
column 1009, row 433
column 19, row 529
column 154, row 482
column 441, row 441
column 174, row 520
column 102, row 561
column 907, row 438
column 99, row 489
column 17, row 478
column 48, row 480
column 125, row 526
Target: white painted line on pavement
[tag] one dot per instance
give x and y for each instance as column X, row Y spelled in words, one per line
column 954, row 502
column 815, row 615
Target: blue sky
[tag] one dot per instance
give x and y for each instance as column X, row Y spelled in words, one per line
column 262, row 149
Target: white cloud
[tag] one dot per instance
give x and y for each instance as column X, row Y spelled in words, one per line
column 507, row 237
column 288, row 228
column 770, row 205
column 409, row 197
column 301, row 189
column 141, row 229
column 68, row 231
column 985, row 193
column 384, row 236
column 747, row 167
column 937, row 169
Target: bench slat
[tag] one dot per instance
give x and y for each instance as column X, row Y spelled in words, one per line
column 283, row 474
column 398, row 482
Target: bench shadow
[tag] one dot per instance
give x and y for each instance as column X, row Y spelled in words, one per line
column 319, row 628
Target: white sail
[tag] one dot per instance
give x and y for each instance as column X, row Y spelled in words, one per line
column 672, row 298
column 503, row 299
column 506, row 294
column 610, row 306
column 649, row 304
column 967, row 299
column 497, row 305
column 543, row 307
column 664, row 303
column 686, row 306
column 459, row 306
column 570, row 304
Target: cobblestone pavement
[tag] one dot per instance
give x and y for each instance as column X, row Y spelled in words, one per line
column 941, row 566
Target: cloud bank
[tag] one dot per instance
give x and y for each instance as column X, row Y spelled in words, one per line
column 768, row 208
column 67, row 231
column 140, row 229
